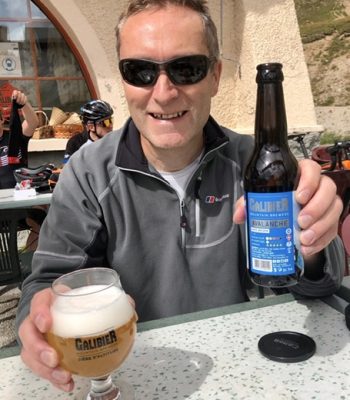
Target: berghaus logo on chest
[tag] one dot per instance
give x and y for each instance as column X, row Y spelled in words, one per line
column 216, row 199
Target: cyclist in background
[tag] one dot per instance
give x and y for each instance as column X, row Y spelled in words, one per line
column 97, row 119
column 23, row 133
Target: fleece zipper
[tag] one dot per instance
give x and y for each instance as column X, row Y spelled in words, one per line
column 197, row 205
column 183, row 224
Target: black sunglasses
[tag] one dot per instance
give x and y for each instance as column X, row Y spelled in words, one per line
column 181, row 71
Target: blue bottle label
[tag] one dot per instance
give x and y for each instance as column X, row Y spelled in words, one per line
column 273, row 231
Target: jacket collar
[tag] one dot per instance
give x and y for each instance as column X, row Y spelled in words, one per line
column 130, row 154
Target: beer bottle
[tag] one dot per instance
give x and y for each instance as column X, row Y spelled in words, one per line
column 270, row 179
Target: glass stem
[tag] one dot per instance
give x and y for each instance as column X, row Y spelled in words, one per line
column 103, row 389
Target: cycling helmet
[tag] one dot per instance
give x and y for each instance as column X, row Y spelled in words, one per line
column 95, row 110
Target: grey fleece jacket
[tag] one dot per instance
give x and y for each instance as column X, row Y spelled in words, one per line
column 110, row 208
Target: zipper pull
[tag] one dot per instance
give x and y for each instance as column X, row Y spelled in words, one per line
column 197, row 186
column 183, row 219
column 183, row 222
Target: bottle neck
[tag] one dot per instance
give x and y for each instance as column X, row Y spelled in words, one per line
column 270, row 119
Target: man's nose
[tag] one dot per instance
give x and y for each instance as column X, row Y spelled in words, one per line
column 164, row 89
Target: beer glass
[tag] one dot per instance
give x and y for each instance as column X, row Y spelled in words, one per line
column 93, row 327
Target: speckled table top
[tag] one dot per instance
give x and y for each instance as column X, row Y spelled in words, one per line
column 217, row 358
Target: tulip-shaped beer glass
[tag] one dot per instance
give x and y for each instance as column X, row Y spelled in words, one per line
column 94, row 327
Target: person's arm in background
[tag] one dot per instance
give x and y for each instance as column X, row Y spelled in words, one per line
column 30, row 118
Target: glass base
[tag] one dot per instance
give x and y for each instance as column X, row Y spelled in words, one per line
column 120, row 391
column 112, row 394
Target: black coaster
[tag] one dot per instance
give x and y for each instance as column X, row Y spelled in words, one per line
column 347, row 316
column 287, row 347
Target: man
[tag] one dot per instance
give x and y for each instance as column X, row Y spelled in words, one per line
column 16, row 148
column 141, row 207
column 29, row 124
column 96, row 116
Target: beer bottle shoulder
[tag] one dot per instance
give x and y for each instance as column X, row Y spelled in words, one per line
column 271, row 168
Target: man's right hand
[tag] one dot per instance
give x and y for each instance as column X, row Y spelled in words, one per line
column 36, row 353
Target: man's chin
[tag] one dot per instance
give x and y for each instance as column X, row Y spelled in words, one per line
column 167, row 141
column 169, row 145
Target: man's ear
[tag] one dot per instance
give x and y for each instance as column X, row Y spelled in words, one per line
column 216, row 72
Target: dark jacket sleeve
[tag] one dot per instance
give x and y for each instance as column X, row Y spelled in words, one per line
column 77, row 241
column 333, row 273
column 75, row 142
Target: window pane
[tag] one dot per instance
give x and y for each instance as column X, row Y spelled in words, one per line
column 36, row 12
column 12, row 31
column 65, row 94
column 13, row 9
column 16, row 33
column 54, row 56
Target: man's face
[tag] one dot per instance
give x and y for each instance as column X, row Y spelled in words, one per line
column 168, row 116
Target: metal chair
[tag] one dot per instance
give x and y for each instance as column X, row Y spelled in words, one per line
column 11, row 268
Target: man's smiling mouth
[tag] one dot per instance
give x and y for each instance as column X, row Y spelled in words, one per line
column 168, row 116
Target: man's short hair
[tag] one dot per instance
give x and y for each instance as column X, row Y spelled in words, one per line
column 200, row 6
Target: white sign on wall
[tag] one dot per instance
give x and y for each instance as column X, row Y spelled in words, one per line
column 10, row 61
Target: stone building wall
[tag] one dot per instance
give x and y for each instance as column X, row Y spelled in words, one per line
column 250, row 32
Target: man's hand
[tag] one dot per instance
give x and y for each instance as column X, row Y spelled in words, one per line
column 320, row 208
column 36, row 353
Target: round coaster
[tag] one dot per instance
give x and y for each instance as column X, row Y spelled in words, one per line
column 347, row 316
column 287, row 346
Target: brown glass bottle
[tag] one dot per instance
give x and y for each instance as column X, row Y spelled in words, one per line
column 270, row 180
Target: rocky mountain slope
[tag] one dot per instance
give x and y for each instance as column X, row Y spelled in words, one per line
column 325, row 30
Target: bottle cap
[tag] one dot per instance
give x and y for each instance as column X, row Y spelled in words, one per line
column 269, row 72
column 287, row 346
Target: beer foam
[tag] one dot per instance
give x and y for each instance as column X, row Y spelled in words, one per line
column 89, row 310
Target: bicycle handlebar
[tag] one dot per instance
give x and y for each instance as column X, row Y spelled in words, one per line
column 338, row 152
